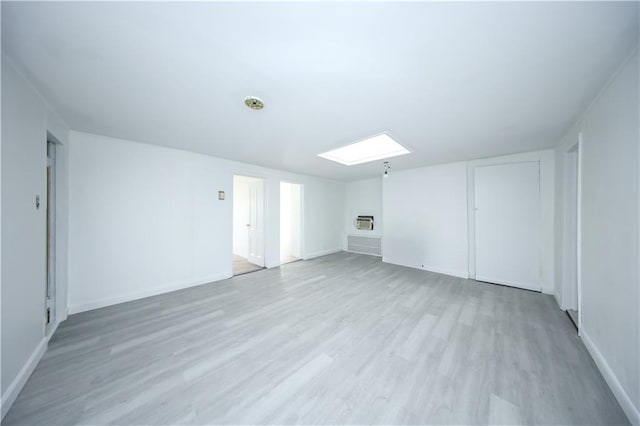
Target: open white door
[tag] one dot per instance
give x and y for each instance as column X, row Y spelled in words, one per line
column 256, row 222
column 507, row 224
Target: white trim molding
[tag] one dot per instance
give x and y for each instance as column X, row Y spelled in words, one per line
column 18, row 383
column 308, row 256
column 429, row 268
column 128, row 297
column 453, row 272
column 546, row 160
column 579, row 233
column 53, row 329
column 623, row 398
column 523, row 286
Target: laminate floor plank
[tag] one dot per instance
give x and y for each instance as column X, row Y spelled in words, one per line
column 340, row 339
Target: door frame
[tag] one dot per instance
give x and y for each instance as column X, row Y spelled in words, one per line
column 547, row 158
column 51, row 224
column 472, row 218
column 302, row 240
column 258, row 231
column 565, row 287
column 265, row 205
column 579, row 147
column 570, row 220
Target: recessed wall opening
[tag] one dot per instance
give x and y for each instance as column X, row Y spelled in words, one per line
column 507, row 224
column 248, row 224
column 570, row 297
column 290, row 222
column 50, row 284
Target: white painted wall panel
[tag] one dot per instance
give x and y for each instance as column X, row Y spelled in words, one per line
column 146, row 219
column 26, row 118
column 610, row 241
column 546, row 160
column 23, row 237
column 610, row 232
column 425, row 219
column 363, row 198
column 507, row 224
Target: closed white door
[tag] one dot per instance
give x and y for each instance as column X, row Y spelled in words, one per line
column 256, row 222
column 507, row 224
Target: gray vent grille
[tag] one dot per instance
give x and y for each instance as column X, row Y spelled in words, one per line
column 364, row 245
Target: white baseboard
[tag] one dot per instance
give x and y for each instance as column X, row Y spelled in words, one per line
column 430, row 268
column 531, row 287
column 625, row 402
column 18, row 383
column 555, row 296
column 445, row 271
column 308, row 256
column 53, row 330
column 127, row 297
column 549, row 291
column 367, row 254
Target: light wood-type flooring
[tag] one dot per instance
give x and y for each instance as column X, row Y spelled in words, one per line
column 341, row 339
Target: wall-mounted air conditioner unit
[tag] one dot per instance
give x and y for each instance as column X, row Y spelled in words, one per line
column 364, row 223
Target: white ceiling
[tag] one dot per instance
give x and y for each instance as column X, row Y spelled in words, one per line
column 451, row 81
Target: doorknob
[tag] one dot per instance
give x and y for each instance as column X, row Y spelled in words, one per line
column 248, row 225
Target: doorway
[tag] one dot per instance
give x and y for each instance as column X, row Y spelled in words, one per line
column 570, row 287
column 248, row 224
column 50, row 290
column 507, row 224
column 290, row 222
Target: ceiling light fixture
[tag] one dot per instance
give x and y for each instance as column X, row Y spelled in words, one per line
column 254, row 102
column 370, row 149
column 386, row 169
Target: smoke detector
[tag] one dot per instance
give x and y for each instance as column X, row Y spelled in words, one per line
column 254, row 102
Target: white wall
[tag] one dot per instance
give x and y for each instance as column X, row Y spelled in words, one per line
column 323, row 209
column 429, row 218
column 26, row 118
column 425, row 218
column 610, row 232
column 363, row 198
column 146, row 219
column 547, row 210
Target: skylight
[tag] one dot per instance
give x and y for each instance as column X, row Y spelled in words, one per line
column 371, row 149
